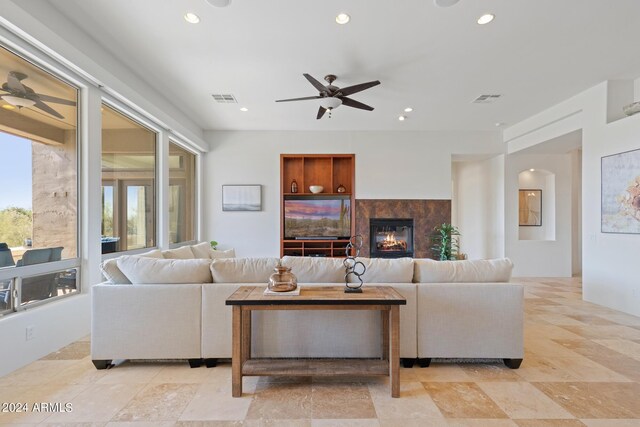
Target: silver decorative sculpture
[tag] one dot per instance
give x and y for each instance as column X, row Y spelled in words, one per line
column 352, row 266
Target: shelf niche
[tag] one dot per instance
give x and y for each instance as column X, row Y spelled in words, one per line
column 328, row 170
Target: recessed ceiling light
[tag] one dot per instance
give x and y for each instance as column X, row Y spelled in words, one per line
column 485, row 19
column 244, row 109
column 191, row 18
column 532, row 170
column 343, row 18
column 500, row 124
column 402, row 118
column 8, row 107
column 408, row 110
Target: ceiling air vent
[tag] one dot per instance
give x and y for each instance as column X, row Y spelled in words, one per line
column 224, row 98
column 486, row 99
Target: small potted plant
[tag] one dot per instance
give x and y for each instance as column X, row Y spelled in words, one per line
column 214, row 245
column 445, row 242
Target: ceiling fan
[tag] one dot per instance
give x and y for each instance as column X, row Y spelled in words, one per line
column 21, row 95
column 332, row 96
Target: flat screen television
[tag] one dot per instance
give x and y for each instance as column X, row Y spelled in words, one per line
column 317, row 217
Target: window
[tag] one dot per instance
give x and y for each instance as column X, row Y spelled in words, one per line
column 39, row 195
column 128, row 183
column 182, row 177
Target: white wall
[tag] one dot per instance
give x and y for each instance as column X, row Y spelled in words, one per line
column 477, row 207
column 389, row 165
column 609, row 261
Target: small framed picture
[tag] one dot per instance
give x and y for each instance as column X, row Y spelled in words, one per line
column 242, row 197
column 530, row 204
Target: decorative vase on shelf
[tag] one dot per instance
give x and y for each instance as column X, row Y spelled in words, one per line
column 341, row 189
column 294, row 186
column 282, row 280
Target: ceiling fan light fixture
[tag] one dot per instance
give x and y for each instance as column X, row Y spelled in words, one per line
column 219, row 3
column 191, row 18
column 19, row 102
column 343, row 18
column 445, row 3
column 486, row 18
column 330, row 103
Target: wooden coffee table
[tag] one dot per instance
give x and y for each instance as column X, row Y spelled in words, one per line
column 382, row 298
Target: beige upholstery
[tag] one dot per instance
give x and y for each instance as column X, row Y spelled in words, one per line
column 242, row 270
column 183, row 252
column 470, row 320
column 146, row 322
column 315, row 270
column 457, row 320
column 140, row 270
column 112, row 273
column 479, row 270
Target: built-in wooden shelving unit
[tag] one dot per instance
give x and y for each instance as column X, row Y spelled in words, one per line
column 329, row 171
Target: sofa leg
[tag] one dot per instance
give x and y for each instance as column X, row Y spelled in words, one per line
column 210, row 363
column 102, row 364
column 195, row 363
column 407, row 363
column 512, row 363
column 424, row 363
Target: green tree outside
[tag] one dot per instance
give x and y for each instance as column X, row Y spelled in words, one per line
column 16, row 225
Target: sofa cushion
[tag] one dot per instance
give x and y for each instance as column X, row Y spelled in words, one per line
column 141, row 270
column 202, row 250
column 112, row 273
column 183, row 252
column 385, row 270
column 242, row 270
column 477, row 270
column 315, row 269
column 229, row 253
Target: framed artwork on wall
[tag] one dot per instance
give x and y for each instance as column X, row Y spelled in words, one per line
column 620, row 193
column 530, row 208
column 241, row 197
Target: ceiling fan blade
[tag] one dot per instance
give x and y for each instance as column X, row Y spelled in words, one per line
column 49, row 98
column 13, row 81
column 321, row 112
column 298, row 99
column 350, row 90
column 355, row 104
column 316, row 84
column 44, row 107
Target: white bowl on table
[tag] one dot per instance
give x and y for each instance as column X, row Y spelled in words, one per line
column 315, row 189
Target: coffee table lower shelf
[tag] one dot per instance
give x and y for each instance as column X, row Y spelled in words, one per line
column 315, row 367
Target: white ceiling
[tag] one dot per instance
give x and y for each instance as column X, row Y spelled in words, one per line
column 437, row 60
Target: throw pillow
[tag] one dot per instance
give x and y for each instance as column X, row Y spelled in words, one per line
column 141, row 270
column 112, row 273
column 183, row 252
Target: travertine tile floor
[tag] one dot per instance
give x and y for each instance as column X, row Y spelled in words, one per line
column 581, row 368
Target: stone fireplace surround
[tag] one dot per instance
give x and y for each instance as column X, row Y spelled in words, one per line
column 426, row 214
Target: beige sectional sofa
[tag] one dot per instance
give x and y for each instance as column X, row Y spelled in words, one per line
column 175, row 309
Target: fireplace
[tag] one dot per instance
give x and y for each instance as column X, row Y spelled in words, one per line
column 391, row 237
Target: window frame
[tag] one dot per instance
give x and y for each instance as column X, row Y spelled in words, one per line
column 196, row 191
column 16, row 274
